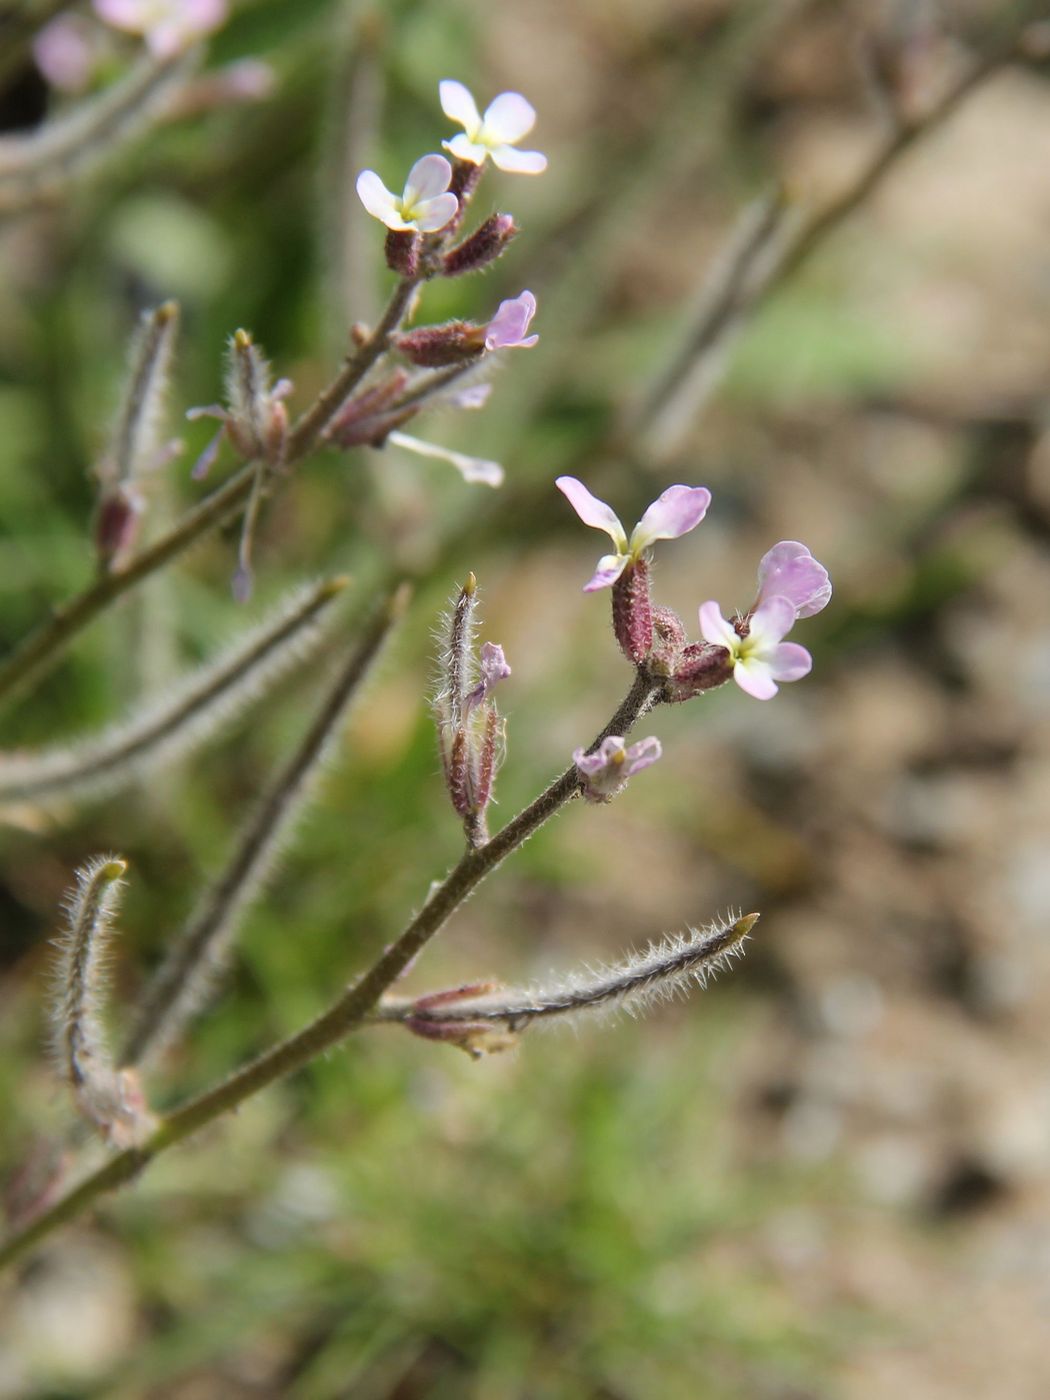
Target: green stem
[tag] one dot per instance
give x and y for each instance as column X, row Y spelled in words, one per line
column 346, row 1014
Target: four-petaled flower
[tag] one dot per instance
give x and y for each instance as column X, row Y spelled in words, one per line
column 675, row 512
column 605, row 771
column 507, row 328
column 761, row 657
column 789, row 571
column 425, row 205
column 168, row 26
column 507, row 119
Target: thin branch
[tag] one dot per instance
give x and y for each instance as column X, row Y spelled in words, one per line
column 764, row 265
column 350, row 1010
column 44, row 646
column 188, row 972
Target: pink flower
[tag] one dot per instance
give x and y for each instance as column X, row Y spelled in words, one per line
column 507, row 119
column 424, row 206
column 607, row 769
column 674, row 513
column 790, row 571
column 507, row 328
column 760, row 658
column 67, row 52
column 168, row 26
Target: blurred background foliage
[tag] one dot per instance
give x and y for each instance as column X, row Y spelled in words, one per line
column 811, row 1180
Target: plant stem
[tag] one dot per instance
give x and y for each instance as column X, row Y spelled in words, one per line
column 349, row 1011
column 42, row 647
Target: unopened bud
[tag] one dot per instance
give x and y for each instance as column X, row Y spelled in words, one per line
column 402, row 251
column 632, row 611
column 116, row 524
column 668, row 642
column 483, row 247
column 465, row 177
column 433, row 347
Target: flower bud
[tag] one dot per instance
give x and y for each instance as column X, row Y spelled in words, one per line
column 483, row 247
column 668, row 642
column 116, row 524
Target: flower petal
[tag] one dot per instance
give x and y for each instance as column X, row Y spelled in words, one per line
column 790, row 662
column 473, row 469
column 508, row 118
column 378, row 200
column 715, row 629
column 610, row 567
column 517, row 162
column 790, row 570
column 772, row 619
column 432, row 214
column 507, row 328
column 429, row 176
column 641, row 755
column 756, row 678
column 463, row 148
column 459, row 106
column 592, row 511
column 675, row 512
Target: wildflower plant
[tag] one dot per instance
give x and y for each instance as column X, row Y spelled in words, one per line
column 395, row 371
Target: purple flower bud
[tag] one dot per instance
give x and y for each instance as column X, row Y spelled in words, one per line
column 668, row 641
column 789, row 571
column 604, row 773
column 494, row 668
column 116, row 524
column 432, row 347
column 484, row 246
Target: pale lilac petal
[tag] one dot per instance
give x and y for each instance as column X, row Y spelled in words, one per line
column 65, row 54
column 790, row 662
column 378, row 200
column 429, row 176
column 603, row 756
column 494, row 665
column 473, row 396
column 463, row 148
column 432, row 214
column 477, row 470
column 508, row 118
column 592, row 511
column 715, row 629
column 788, row 569
column 756, row 678
column 507, row 328
column 610, row 567
column 772, row 619
column 675, row 512
column 459, row 106
column 641, row 755
column 517, row 162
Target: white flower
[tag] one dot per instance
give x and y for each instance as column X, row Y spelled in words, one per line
column 507, row 119
column 423, row 207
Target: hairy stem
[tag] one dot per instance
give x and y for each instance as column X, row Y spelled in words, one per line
column 350, row 1010
column 44, row 646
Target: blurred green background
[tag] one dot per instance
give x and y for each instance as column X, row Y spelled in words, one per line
column 808, row 1181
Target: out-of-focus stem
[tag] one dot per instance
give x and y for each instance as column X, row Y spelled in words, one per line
column 349, row 1012
column 47, row 643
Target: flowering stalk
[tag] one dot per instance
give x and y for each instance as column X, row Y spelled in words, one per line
column 349, row 1012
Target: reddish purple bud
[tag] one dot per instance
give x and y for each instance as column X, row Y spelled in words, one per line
column 668, row 642
column 483, row 247
column 432, row 347
column 477, row 1038
column 465, row 177
column 402, row 251
column 470, row 991
column 116, row 524
column 632, row 612
column 702, row 667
